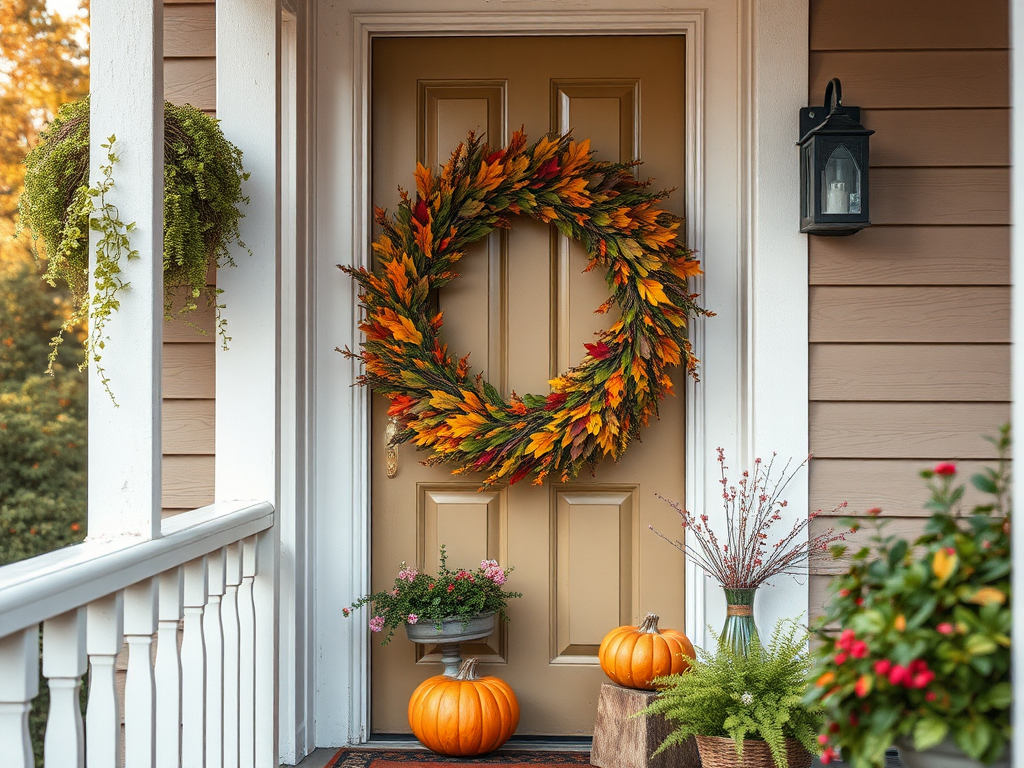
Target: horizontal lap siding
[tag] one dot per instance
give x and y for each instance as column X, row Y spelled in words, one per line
column 910, row 319
column 188, row 352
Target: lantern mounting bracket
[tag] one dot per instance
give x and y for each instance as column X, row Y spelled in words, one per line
column 812, row 117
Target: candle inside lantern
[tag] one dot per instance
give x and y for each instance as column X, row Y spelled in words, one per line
column 837, row 201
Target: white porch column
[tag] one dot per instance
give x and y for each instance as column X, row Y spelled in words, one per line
column 248, row 42
column 127, row 85
column 249, row 373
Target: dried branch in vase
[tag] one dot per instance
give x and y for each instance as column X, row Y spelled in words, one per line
column 746, row 558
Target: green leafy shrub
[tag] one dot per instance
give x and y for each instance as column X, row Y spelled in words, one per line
column 759, row 695
column 203, row 178
column 922, row 649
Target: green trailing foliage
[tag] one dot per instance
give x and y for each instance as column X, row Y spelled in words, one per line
column 203, row 178
column 759, row 695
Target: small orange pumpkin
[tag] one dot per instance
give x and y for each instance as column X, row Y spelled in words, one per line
column 634, row 656
column 463, row 715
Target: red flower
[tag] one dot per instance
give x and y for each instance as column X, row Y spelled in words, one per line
column 451, row 587
column 945, row 628
column 930, row 696
column 874, row 511
column 882, row 667
column 841, row 658
column 945, row 468
column 898, row 674
column 922, row 679
column 844, row 593
column 828, row 756
column 822, row 739
column 859, row 649
column 846, row 639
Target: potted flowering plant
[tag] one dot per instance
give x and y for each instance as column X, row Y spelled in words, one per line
column 453, row 598
column 922, row 656
column 745, row 709
column 747, row 551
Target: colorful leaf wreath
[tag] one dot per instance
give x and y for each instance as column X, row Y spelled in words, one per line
column 594, row 409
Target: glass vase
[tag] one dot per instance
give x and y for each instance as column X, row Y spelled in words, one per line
column 739, row 627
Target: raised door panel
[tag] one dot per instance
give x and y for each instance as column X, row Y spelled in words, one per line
column 593, row 573
column 472, row 526
column 474, row 305
column 605, row 112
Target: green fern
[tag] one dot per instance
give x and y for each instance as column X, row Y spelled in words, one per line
column 757, row 696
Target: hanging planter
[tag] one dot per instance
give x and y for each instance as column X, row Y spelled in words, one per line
column 203, row 178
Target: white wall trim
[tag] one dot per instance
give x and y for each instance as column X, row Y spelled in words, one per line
column 723, row 91
column 1017, row 375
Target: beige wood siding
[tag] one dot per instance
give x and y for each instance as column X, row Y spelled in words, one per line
column 910, row 319
column 188, row 356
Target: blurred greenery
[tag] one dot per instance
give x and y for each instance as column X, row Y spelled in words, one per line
column 43, row 64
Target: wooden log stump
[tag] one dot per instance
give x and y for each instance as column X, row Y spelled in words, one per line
column 624, row 741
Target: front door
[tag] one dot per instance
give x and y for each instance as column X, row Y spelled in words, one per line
column 584, row 559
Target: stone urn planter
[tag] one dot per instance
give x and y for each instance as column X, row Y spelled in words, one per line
column 450, row 633
column 944, row 755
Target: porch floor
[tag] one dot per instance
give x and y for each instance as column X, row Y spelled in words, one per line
column 321, row 757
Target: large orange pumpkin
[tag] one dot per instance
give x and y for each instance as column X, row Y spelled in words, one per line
column 634, row 656
column 463, row 715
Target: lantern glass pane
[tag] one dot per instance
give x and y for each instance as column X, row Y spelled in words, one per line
column 807, row 169
column 840, row 188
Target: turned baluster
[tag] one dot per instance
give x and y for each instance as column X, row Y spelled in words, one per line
column 64, row 663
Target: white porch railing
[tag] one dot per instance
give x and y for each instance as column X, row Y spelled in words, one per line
column 206, row 704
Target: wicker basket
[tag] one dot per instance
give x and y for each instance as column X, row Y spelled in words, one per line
column 720, row 752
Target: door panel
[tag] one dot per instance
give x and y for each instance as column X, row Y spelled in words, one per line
column 523, row 307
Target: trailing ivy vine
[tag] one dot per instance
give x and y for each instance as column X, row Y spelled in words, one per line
column 203, row 178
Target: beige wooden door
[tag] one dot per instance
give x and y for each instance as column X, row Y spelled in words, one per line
column 584, row 558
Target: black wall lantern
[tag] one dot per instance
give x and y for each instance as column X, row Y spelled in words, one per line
column 833, row 167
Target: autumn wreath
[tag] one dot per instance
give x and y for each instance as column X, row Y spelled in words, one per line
column 594, row 409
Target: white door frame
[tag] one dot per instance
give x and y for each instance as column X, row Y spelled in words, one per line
column 746, row 76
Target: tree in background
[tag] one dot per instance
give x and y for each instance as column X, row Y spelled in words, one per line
column 43, row 64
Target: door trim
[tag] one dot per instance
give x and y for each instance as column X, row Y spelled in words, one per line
column 719, row 412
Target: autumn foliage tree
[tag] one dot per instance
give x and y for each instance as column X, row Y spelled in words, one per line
column 43, row 64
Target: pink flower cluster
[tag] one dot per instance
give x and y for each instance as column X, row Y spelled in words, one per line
column 493, row 571
column 413, row 618
column 465, row 576
column 377, row 623
column 407, row 574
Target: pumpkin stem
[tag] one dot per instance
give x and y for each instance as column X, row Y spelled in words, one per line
column 650, row 625
column 468, row 670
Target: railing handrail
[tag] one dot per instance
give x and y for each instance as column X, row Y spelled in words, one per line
column 48, row 585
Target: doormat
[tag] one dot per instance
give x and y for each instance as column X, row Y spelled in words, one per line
column 406, row 758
